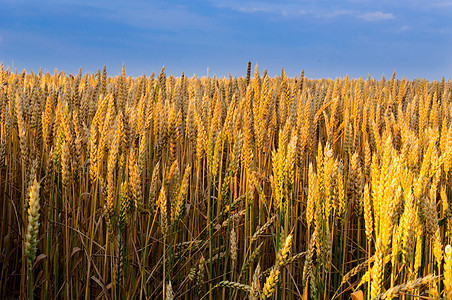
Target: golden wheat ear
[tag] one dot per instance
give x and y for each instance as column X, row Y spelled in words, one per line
column 31, row 236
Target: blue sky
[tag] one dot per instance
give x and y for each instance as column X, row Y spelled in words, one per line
column 325, row 38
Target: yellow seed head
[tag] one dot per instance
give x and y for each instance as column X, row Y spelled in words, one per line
column 33, row 223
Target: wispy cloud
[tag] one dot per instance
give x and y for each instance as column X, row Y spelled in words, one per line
column 290, row 9
column 335, row 14
column 376, row 16
column 366, row 16
column 404, row 28
column 272, row 8
column 441, row 4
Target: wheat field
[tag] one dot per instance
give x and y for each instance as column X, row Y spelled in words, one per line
column 257, row 187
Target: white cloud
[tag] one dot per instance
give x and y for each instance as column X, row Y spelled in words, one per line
column 293, row 10
column 442, row 4
column 376, row 16
column 335, row 14
column 273, row 8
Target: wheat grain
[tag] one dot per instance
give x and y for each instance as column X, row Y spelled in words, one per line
column 31, row 235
